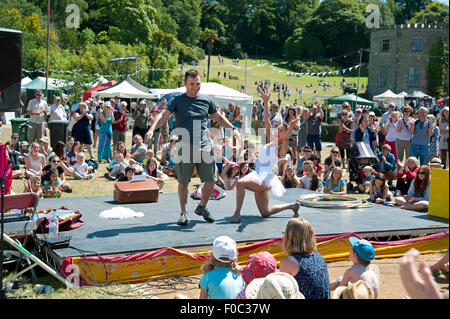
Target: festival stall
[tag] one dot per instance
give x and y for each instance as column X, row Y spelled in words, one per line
column 127, row 89
column 389, row 97
column 88, row 93
column 337, row 101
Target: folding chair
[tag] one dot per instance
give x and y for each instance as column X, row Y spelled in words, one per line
column 13, row 223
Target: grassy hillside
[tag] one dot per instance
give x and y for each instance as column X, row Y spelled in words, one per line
column 258, row 70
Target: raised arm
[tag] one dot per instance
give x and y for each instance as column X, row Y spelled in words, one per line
column 266, row 97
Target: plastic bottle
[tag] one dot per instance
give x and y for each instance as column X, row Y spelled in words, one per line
column 43, row 289
column 53, row 227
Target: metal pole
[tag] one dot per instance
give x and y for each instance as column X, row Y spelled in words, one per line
column 48, row 44
column 359, row 73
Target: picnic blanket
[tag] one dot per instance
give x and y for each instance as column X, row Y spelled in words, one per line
column 68, row 219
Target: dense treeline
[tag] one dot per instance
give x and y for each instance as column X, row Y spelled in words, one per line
column 165, row 33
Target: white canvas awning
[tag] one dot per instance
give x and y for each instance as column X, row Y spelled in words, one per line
column 124, row 89
column 390, row 97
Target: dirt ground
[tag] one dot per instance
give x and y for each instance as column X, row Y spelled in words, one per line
column 391, row 286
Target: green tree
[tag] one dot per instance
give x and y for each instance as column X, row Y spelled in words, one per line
column 410, row 7
column 209, row 37
column 437, row 68
column 434, row 13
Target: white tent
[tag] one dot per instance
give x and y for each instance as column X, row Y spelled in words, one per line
column 418, row 94
column 403, row 94
column 125, row 90
column 390, row 97
column 222, row 96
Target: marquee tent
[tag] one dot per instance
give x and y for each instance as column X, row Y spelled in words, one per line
column 355, row 101
column 222, row 96
column 88, row 93
column 390, row 97
column 125, row 89
column 39, row 84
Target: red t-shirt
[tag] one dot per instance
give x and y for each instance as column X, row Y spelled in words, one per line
column 122, row 125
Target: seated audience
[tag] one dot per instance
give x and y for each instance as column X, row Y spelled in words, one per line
column 51, row 184
column 289, row 179
column 34, row 162
column 331, row 162
column 364, row 185
column 33, row 185
column 310, row 180
column 386, row 163
column 81, row 169
column 152, row 171
column 406, row 175
column 379, row 191
column 417, row 198
column 336, row 184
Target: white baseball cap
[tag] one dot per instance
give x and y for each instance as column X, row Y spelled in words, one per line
column 224, row 249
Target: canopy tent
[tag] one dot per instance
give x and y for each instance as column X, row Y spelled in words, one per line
column 403, row 94
column 353, row 100
column 390, row 97
column 39, row 84
column 88, row 93
column 443, row 101
column 418, row 95
column 125, row 89
column 221, row 95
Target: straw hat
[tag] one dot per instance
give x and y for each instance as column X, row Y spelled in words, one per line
column 358, row 290
column 45, row 139
column 277, row 285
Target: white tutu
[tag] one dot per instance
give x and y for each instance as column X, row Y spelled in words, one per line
column 268, row 179
column 120, row 213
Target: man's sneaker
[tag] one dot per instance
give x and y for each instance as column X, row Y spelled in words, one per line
column 184, row 219
column 202, row 211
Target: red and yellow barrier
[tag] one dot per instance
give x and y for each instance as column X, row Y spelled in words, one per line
column 169, row 262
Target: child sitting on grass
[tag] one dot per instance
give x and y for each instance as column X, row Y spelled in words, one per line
column 222, row 279
column 336, row 184
column 364, row 187
column 81, row 169
column 361, row 254
column 379, row 191
column 118, row 168
column 33, row 185
column 52, row 184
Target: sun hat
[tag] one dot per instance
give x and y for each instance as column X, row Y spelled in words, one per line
column 233, row 165
column 224, row 249
column 45, row 139
column 57, row 98
column 358, row 290
column 143, row 102
column 371, row 113
column 259, row 265
column 108, row 104
column 363, row 248
column 436, row 162
column 277, row 285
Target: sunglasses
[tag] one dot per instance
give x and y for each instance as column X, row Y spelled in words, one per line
column 55, row 161
column 421, row 172
column 38, row 94
column 334, row 152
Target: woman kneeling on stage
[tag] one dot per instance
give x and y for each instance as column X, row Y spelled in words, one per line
column 264, row 178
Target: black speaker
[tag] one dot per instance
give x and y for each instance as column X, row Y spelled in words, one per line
column 10, row 69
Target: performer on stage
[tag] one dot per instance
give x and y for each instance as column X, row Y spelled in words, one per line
column 264, row 177
column 194, row 150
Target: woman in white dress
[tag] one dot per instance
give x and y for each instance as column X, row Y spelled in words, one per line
column 265, row 178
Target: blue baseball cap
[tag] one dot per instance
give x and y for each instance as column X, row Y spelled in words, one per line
column 363, row 248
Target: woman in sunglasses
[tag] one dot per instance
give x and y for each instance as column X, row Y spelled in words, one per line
column 417, row 198
column 331, row 162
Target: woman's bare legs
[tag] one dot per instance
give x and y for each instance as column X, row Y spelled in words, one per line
column 262, row 200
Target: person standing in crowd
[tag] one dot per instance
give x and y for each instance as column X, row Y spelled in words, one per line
column 81, row 129
column 37, row 110
column 313, row 138
column 403, row 141
column 302, row 124
column 120, row 123
column 345, row 135
column 421, row 131
column 191, row 111
column 384, row 120
column 57, row 111
column 390, row 132
column 165, row 132
column 140, row 116
column 364, row 133
column 154, row 141
column 434, row 139
column 443, row 123
column 291, row 114
column 104, row 151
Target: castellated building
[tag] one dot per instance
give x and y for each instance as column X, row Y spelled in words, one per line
column 399, row 57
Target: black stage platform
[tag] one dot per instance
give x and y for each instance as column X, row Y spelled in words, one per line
column 159, row 229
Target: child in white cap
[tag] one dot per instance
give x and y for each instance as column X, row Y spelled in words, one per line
column 361, row 255
column 222, row 279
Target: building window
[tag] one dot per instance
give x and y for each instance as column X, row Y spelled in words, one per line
column 385, row 45
column 382, row 75
column 416, row 44
column 414, row 77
